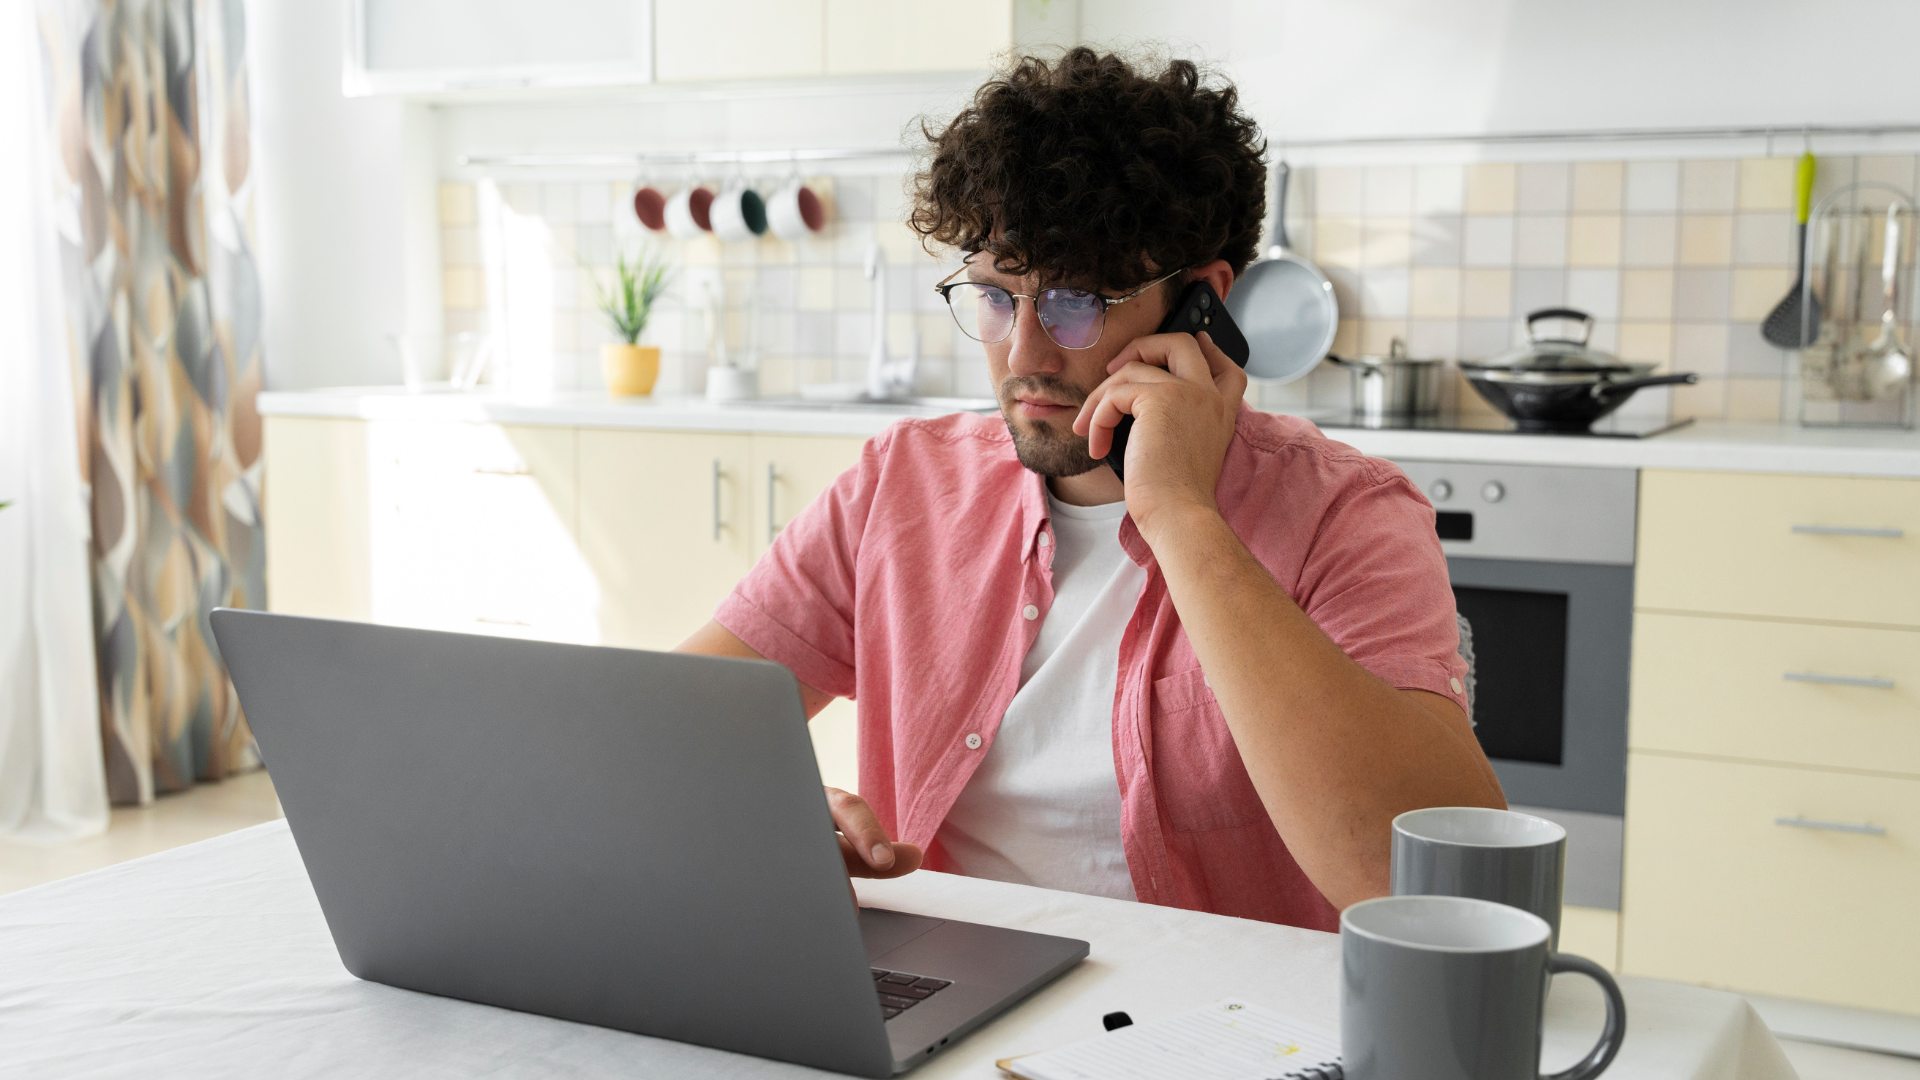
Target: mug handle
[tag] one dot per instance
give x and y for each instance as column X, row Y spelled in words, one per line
column 1615, row 1030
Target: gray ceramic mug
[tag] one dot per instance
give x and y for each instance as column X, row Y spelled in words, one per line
column 1449, row 988
column 1498, row 855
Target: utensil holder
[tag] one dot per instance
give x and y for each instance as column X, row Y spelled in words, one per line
column 1844, row 379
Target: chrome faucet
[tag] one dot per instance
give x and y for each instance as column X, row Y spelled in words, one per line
column 887, row 379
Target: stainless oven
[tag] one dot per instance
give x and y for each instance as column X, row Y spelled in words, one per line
column 1541, row 560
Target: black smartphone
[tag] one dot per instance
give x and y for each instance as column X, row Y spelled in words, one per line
column 1200, row 308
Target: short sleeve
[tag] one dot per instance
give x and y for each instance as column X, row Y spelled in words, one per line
column 796, row 606
column 1376, row 581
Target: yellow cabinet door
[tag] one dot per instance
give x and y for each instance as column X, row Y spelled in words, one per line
column 790, row 471
column 316, row 505
column 666, row 528
column 872, row 37
column 1797, row 693
column 473, row 530
column 1789, row 881
column 1843, row 549
column 738, row 39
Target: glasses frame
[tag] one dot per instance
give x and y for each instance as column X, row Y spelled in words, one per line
column 1107, row 303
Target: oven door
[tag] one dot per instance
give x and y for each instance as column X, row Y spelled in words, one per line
column 1550, row 645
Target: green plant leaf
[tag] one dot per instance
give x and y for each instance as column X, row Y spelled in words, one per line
column 639, row 279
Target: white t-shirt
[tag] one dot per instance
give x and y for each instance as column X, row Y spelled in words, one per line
column 1043, row 808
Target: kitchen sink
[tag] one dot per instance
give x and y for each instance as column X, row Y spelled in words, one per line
column 931, row 405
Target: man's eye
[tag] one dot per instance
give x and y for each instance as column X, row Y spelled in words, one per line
column 1071, row 299
column 998, row 301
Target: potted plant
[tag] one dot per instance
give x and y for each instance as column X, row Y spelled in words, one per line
column 629, row 367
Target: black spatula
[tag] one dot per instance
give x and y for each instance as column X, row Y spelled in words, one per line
column 1794, row 323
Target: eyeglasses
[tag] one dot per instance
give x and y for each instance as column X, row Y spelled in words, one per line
column 1073, row 318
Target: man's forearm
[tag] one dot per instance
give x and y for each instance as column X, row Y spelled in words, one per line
column 1334, row 752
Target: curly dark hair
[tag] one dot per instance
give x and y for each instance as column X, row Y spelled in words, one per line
column 1089, row 169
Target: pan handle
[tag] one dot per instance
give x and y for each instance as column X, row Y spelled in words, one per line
column 1627, row 386
column 1281, row 172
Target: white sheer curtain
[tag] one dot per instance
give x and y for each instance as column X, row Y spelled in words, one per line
column 52, row 782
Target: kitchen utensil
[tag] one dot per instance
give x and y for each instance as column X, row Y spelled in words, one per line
column 1284, row 304
column 738, row 214
column 423, row 362
column 1499, row 855
column 650, row 207
column 795, row 212
column 1794, row 322
column 1887, row 361
column 1449, row 988
column 472, row 352
column 1560, row 384
column 1393, row 385
column 688, row 212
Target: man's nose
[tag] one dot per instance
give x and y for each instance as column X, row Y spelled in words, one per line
column 1033, row 352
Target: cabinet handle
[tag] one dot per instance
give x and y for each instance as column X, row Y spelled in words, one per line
column 1863, row 828
column 719, row 474
column 1838, row 680
column 773, row 501
column 1848, row 530
column 495, row 470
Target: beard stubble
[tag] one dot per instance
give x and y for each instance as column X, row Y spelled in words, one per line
column 1042, row 448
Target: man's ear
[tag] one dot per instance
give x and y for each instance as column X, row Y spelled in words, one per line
column 1216, row 273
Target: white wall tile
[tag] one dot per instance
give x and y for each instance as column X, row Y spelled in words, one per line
column 1487, row 241
column 1653, row 186
column 1339, row 190
column 1544, row 187
column 1389, row 190
column 1540, row 241
column 1596, row 292
column 1383, row 294
column 1439, row 189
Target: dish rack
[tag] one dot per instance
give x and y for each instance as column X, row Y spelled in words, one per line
column 1859, row 370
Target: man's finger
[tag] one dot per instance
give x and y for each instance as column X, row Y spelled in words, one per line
column 861, row 828
column 1229, row 377
column 1178, row 353
column 1114, row 404
column 906, row 859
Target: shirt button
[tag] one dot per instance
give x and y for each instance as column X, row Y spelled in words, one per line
column 1045, row 539
column 1455, row 683
column 973, row 742
column 1030, row 611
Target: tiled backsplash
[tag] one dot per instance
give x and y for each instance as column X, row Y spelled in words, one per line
column 1679, row 261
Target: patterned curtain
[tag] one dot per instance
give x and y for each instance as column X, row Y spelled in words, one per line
column 150, row 117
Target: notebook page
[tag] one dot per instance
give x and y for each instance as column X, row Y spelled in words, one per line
column 1227, row 1040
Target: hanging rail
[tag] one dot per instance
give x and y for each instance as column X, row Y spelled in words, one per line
column 675, row 157
column 1804, row 132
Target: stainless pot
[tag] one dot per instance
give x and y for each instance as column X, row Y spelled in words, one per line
column 1393, row 385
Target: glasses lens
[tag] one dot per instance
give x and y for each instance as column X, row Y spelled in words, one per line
column 1073, row 318
column 984, row 312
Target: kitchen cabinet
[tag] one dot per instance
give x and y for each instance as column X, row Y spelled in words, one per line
column 871, row 37
column 718, row 40
column 1773, row 771
column 762, row 39
column 315, row 496
column 428, row 46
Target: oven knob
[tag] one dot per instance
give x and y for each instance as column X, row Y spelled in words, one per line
column 1441, row 491
column 1493, row 491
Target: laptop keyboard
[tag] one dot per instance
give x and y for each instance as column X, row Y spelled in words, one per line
column 900, row 991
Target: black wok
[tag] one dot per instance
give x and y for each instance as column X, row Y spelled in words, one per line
column 1564, row 406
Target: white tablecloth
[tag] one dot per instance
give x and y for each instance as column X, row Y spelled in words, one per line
column 212, row 960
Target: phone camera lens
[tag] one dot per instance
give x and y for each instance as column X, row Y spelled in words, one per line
column 1205, row 301
column 1193, row 316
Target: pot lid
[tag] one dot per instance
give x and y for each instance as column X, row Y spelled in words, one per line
column 1566, row 354
column 1396, row 354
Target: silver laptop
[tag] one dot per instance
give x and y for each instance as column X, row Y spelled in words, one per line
column 631, row 839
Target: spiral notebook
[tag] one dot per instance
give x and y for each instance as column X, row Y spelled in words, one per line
column 1231, row 1039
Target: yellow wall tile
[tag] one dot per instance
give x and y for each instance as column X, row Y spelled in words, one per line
column 1704, row 400
column 1757, row 289
column 936, row 335
column 701, row 251
column 1346, row 339
column 1490, row 187
column 774, row 251
column 901, row 244
column 1598, row 186
column 1388, row 242
column 814, row 288
column 1646, row 294
column 1767, row 183
column 1337, row 241
column 456, row 204
column 1486, row 294
column 1706, row 239
column 1753, row 400
column 463, row 288
column 1646, row 343
column 1434, row 292
column 1593, row 240
column 777, row 376
column 1376, row 335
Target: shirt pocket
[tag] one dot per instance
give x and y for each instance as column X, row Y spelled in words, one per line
column 1199, row 780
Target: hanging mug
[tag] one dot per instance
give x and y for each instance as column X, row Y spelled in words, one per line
column 795, row 212
column 688, row 213
column 650, row 207
column 738, row 213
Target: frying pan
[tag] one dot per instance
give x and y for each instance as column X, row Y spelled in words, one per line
column 1284, row 304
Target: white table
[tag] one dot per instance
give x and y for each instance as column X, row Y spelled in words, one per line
column 213, row 960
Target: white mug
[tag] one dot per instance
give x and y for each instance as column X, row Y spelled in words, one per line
column 738, row 214
column 650, row 207
column 795, row 211
column 687, row 213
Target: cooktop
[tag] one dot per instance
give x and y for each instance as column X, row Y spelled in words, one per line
column 1607, row 427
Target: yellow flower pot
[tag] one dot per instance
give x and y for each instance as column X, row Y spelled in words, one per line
column 629, row 369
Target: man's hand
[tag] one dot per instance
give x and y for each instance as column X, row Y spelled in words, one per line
column 1184, row 395
column 864, row 844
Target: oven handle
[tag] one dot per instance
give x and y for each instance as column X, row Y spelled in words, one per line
column 1848, row 530
column 1864, row 828
column 1837, row 680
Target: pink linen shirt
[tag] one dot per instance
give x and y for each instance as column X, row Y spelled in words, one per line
column 917, row 582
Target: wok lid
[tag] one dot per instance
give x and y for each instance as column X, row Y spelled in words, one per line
column 1556, row 355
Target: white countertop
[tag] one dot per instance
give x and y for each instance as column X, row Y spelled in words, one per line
column 1778, row 448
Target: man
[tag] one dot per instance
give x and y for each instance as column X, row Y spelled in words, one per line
column 1213, row 686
